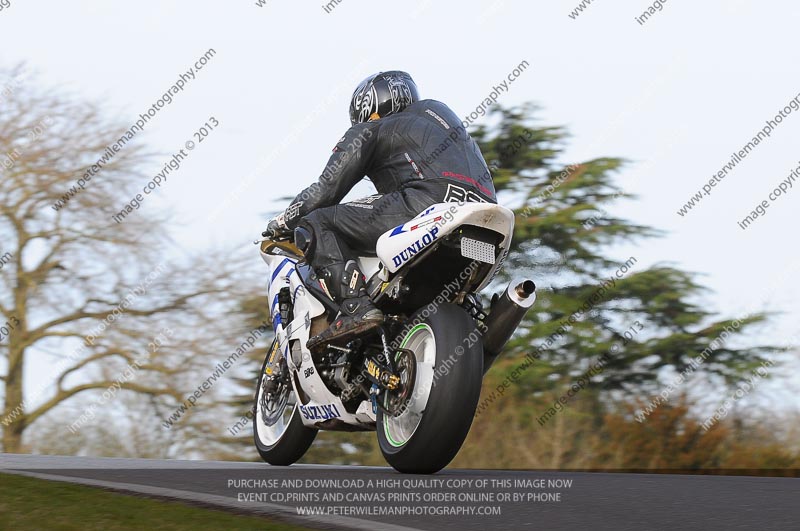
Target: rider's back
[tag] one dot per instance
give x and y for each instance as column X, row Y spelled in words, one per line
column 426, row 141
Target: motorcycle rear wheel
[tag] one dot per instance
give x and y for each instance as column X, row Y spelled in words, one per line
column 432, row 426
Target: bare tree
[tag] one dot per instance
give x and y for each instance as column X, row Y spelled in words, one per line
column 89, row 298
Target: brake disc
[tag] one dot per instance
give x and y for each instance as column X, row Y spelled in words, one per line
column 276, row 389
column 397, row 399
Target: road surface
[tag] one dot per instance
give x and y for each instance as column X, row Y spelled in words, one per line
column 452, row 499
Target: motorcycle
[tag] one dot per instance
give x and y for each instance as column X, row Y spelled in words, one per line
column 417, row 381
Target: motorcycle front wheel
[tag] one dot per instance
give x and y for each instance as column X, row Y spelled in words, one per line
column 278, row 431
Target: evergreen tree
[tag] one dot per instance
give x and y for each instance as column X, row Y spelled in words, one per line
column 592, row 305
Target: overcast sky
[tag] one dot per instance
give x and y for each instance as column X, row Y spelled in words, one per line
column 677, row 96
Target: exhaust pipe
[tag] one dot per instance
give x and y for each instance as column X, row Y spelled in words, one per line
column 508, row 310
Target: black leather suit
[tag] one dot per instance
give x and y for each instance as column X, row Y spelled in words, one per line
column 415, row 158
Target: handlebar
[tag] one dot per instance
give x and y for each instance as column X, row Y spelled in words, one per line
column 278, row 235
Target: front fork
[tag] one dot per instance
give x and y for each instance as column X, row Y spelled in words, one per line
column 275, row 386
column 275, row 381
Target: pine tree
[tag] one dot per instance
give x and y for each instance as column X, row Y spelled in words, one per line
column 594, row 309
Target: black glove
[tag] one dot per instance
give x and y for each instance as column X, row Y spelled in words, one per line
column 277, row 229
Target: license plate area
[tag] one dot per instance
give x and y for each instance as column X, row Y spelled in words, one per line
column 478, row 250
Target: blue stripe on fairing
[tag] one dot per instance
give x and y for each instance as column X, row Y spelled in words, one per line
column 294, row 297
column 279, row 269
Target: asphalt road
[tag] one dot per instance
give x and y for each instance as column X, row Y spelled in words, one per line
column 452, row 499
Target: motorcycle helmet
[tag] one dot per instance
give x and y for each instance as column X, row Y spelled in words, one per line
column 381, row 95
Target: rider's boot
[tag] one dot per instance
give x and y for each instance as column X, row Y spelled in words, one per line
column 357, row 314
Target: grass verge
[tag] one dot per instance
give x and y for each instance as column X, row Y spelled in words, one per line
column 35, row 504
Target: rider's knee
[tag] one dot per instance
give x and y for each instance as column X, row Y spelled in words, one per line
column 311, row 228
column 305, row 238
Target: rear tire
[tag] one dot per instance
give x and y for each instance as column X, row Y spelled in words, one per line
column 449, row 355
column 285, row 442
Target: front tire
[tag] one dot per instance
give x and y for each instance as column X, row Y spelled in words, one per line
column 429, row 432
column 285, row 441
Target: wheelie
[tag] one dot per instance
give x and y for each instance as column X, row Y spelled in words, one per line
column 378, row 325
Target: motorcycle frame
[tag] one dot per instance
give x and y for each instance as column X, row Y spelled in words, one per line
column 438, row 221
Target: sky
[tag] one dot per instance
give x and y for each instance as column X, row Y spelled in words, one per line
column 676, row 96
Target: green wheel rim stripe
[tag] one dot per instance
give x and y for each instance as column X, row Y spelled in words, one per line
column 385, row 420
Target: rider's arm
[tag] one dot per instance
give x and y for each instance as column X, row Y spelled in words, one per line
column 347, row 166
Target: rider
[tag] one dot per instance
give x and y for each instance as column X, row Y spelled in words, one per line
column 416, row 153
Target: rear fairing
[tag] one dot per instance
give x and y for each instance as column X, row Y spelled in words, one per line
column 400, row 247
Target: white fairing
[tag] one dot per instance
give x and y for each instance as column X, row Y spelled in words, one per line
column 395, row 249
column 399, row 246
column 369, row 266
column 322, row 404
